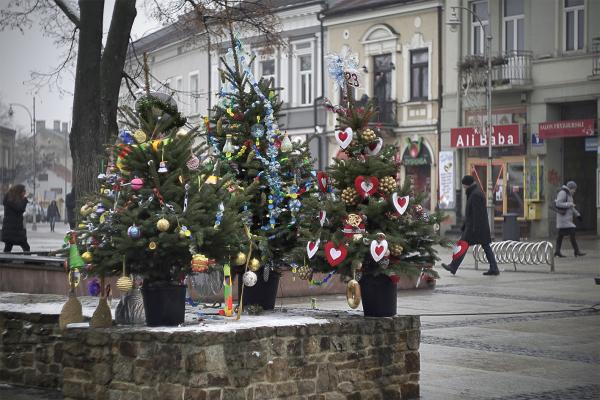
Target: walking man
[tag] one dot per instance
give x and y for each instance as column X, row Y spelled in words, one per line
column 475, row 229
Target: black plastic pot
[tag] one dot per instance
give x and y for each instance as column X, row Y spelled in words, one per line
column 263, row 293
column 164, row 305
column 379, row 296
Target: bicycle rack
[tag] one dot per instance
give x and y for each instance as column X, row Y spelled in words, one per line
column 510, row 251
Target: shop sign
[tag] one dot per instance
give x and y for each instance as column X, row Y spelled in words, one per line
column 591, row 143
column 503, row 135
column 570, row 128
column 446, row 176
column 536, row 140
column 414, row 154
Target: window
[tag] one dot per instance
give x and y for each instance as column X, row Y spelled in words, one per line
column 195, row 100
column 419, row 74
column 574, row 24
column 480, row 9
column 305, row 76
column 178, row 87
column 267, row 69
column 514, row 25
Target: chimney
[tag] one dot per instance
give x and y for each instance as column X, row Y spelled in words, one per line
column 56, row 125
column 65, row 127
column 40, row 125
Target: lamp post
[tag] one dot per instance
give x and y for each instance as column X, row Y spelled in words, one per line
column 33, row 133
column 453, row 23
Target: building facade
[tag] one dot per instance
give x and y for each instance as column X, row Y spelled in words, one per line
column 545, row 86
column 7, row 160
column 398, row 45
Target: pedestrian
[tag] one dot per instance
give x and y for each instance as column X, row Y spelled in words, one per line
column 70, row 203
column 13, row 229
column 52, row 214
column 564, row 221
column 475, row 229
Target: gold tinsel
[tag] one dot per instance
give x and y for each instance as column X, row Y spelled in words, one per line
column 349, row 196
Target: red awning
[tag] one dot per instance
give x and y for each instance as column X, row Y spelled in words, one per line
column 570, row 128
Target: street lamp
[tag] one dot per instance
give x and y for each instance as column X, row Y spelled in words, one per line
column 454, row 23
column 33, row 133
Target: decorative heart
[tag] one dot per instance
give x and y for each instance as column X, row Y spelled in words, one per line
column 366, row 186
column 378, row 249
column 459, row 249
column 335, row 255
column 312, row 247
column 344, row 137
column 374, row 148
column 400, row 203
column 322, row 215
column 322, row 181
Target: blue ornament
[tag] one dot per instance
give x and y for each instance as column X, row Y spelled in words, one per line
column 126, row 137
column 100, row 209
column 94, row 287
column 257, row 130
column 134, row 232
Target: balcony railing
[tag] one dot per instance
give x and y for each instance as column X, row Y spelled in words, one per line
column 596, row 59
column 386, row 111
column 508, row 70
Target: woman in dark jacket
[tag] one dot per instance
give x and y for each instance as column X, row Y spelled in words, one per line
column 13, row 229
column 52, row 214
column 476, row 229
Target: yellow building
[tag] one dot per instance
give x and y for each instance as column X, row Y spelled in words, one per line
column 397, row 43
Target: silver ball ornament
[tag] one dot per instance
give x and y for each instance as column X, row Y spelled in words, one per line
column 250, row 278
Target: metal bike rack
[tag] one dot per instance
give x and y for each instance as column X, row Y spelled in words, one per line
column 510, row 251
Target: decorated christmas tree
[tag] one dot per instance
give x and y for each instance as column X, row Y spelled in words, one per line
column 247, row 142
column 365, row 223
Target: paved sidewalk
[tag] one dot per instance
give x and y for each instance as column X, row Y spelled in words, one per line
column 552, row 353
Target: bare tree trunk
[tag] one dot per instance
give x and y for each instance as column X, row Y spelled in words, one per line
column 86, row 143
column 113, row 61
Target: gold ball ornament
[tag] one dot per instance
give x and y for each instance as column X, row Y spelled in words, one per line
column 387, row 184
column 254, row 264
column 85, row 210
column 353, row 295
column 396, row 249
column 368, row 135
column 87, row 257
column 162, row 225
column 240, row 259
column 152, row 245
column 139, row 136
column 124, row 284
column 349, row 196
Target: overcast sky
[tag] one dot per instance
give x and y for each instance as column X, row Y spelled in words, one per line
column 28, row 52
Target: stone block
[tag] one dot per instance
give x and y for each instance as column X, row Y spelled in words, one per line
column 97, row 337
column 234, row 394
column 413, row 339
column 409, row 391
column 196, row 362
column 412, row 362
column 170, row 391
column 327, row 378
column 128, row 349
column 194, row 394
column 101, row 373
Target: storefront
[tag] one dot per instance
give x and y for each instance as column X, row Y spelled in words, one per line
column 417, row 160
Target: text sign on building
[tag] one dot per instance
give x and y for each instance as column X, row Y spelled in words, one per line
column 571, row 128
column 503, row 135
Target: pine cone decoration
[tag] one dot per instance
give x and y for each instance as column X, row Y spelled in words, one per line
column 368, row 135
column 396, row 249
column 349, row 196
column 305, row 273
column 387, row 184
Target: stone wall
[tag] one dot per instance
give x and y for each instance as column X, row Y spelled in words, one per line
column 31, row 350
column 349, row 357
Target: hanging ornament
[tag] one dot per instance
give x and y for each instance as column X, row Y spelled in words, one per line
column 335, row 255
column 312, row 247
column 228, row 148
column 86, row 210
column 162, row 225
column 436, row 227
column 162, row 167
column 254, row 264
column 366, row 186
column 134, row 232
column 212, row 180
column 139, row 136
column 378, row 249
column 396, row 249
column 286, row 144
column 136, row 183
column 323, row 181
column 182, row 132
column 219, row 216
column 322, row 217
column 349, row 196
column 374, row 148
column 94, row 287
column 387, row 184
column 155, row 144
column 353, row 295
column 368, row 135
column 344, row 137
column 257, row 130
column 305, row 272
column 354, row 224
column 125, row 136
column 193, row 163
column 200, row 263
column 184, row 232
column 152, row 245
column 100, row 209
column 400, row 203
column 249, row 278
column 227, row 291
column 87, row 257
column 240, row 259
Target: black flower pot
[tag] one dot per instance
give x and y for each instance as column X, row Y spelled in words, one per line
column 379, row 295
column 164, row 305
column 263, row 293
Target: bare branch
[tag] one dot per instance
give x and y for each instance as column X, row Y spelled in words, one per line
column 71, row 14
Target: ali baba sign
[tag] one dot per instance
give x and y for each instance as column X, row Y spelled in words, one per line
column 503, row 135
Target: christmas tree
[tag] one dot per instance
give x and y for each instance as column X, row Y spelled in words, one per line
column 365, row 222
column 160, row 213
column 247, row 142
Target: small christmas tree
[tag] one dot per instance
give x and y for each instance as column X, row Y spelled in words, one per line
column 365, row 222
column 247, row 142
column 160, row 213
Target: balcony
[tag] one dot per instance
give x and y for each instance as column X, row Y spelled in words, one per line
column 386, row 111
column 510, row 70
column 596, row 57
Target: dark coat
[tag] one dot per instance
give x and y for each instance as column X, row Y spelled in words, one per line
column 52, row 211
column 13, row 229
column 70, row 202
column 476, row 227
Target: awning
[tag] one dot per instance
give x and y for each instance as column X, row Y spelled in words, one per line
column 570, row 128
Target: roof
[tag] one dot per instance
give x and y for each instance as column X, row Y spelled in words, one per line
column 353, row 6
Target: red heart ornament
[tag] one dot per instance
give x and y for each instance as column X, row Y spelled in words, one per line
column 459, row 249
column 335, row 255
column 400, row 203
column 373, row 148
column 366, row 186
column 378, row 249
column 344, row 137
column 312, row 247
column 322, row 181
